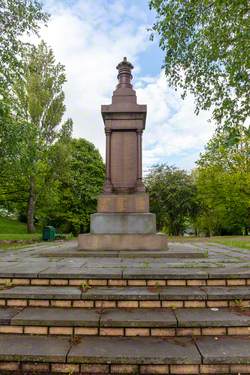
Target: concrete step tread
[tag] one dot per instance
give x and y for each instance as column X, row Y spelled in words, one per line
column 119, row 268
column 124, row 254
column 156, row 317
column 122, row 350
column 127, row 293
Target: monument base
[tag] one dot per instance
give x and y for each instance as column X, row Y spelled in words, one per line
column 127, row 203
column 120, row 242
column 116, row 223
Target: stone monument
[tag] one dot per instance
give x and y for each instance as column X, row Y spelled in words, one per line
column 123, row 220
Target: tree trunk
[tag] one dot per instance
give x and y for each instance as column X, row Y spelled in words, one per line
column 31, row 207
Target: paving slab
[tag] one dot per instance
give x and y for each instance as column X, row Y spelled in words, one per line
column 157, row 263
column 180, row 246
column 190, row 254
column 41, row 292
column 7, row 313
column 10, row 263
column 102, row 262
column 121, row 293
column 78, row 254
column 233, row 292
column 138, row 318
column 164, row 273
column 179, row 293
column 72, row 262
column 224, row 350
column 33, row 348
column 214, row 317
column 22, row 270
column 136, row 350
column 81, row 273
column 57, row 317
column 229, row 272
column 145, row 254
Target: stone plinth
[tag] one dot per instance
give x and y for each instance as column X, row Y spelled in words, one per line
column 119, row 203
column 120, row 242
column 119, row 223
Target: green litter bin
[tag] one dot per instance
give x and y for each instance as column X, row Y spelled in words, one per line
column 49, row 233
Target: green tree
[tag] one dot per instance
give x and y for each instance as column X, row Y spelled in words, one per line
column 223, row 184
column 17, row 18
column 206, row 45
column 172, row 197
column 76, row 189
column 39, row 98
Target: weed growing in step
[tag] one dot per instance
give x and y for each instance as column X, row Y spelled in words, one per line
column 74, row 340
column 239, row 304
column 85, row 286
column 6, row 285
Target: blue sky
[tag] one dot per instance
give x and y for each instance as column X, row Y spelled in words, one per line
column 90, row 37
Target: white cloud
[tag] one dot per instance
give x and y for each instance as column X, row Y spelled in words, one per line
column 90, row 37
column 173, row 130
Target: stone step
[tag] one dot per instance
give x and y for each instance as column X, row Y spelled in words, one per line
column 125, row 322
column 130, row 272
column 125, row 297
column 122, row 355
column 125, row 254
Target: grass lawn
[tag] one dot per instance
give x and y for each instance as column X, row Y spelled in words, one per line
column 20, row 236
column 242, row 242
column 13, row 235
column 10, row 226
column 13, row 230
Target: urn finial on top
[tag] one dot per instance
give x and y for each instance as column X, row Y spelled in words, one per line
column 124, row 73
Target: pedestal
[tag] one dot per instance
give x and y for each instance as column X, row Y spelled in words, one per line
column 123, row 203
column 122, row 242
column 122, row 223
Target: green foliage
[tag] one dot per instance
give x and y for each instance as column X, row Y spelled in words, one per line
column 39, row 95
column 207, row 45
column 17, row 18
column 172, row 197
column 223, row 184
column 73, row 197
column 39, row 103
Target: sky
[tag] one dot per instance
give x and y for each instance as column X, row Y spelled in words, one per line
column 90, row 37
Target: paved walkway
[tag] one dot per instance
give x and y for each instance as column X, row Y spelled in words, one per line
column 181, row 258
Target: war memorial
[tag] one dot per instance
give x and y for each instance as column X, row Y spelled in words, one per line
column 123, row 221
column 122, row 300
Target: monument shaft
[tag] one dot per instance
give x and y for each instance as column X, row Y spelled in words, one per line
column 124, row 123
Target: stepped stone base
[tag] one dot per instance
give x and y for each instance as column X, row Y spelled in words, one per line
column 125, row 314
column 123, row 223
column 126, row 203
column 122, row 242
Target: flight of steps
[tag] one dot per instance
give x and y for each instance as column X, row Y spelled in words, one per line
column 194, row 322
